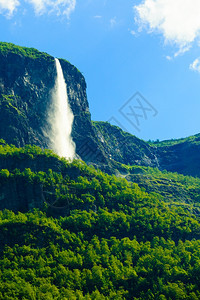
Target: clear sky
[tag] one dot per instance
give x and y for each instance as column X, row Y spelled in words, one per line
column 122, row 47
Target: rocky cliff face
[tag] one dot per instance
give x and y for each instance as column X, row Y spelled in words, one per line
column 25, row 87
column 183, row 157
column 123, row 147
column 20, row 195
column 180, row 156
column 27, row 78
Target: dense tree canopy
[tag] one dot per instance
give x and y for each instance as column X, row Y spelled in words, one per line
column 97, row 236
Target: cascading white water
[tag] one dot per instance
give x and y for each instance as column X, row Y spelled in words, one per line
column 61, row 118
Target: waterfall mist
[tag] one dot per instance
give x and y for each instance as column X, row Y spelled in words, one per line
column 61, row 118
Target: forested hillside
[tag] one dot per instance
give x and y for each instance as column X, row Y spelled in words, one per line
column 70, row 231
column 27, row 79
column 79, row 233
column 181, row 155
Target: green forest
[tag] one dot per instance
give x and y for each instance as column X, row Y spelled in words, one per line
column 93, row 235
column 6, row 48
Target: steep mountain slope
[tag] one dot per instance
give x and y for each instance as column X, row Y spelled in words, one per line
column 70, row 231
column 95, row 236
column 182, row 156
column 124, row 147
column 27, row 78
column 21, row 187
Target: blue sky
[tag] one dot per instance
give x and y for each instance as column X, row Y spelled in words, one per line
column 122, row 47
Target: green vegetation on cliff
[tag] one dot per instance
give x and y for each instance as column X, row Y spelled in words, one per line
column 173, row 155
column 173, row 187
column 95, row 236
column 6, row 48
column 122, row 146
column 69, row 231
column 194, row 139
column 8, row 103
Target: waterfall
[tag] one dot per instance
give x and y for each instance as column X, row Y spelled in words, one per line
column 61, row 118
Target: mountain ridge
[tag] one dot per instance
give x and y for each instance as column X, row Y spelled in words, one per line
column 180, row 155
column 68, row 230
column 27, row 77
